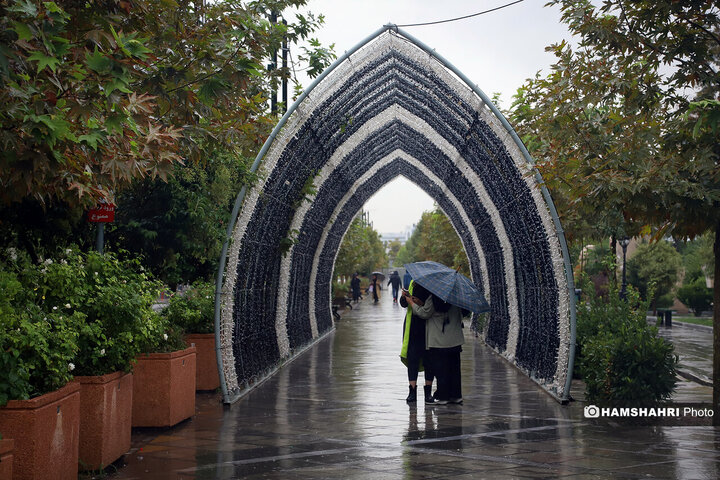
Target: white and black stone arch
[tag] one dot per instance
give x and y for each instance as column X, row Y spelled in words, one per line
column 391, row 107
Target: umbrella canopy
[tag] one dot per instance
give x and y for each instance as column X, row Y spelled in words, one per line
column 380, row 275
column 449, row 285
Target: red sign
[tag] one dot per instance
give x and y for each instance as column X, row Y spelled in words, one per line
column 104, row 213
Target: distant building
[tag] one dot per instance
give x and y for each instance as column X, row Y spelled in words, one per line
column 391, row 237
column 402, row 237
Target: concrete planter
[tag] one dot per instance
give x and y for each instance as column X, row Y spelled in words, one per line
column 206, row 376
column 6, row 458
column 105, row 419
column 163, row 388
column 46, row 431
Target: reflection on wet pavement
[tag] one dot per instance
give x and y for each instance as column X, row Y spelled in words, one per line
column 693, row 344
column 338, row 411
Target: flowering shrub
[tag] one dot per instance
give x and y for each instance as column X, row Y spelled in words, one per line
column 82, row 314
column 116, row 296
column 193, row 311
column 37, row 348
column 161, row 336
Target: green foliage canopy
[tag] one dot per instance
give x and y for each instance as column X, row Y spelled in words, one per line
column 97, row 94
column 361, row 250
column 654, row 267
column 434, row 238
column 178, row 226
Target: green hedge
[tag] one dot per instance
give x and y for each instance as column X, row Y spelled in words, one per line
column 620, row 356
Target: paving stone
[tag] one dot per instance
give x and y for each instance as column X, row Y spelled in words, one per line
column 339, row 411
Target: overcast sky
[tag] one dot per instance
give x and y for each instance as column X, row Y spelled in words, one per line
column 497, row 51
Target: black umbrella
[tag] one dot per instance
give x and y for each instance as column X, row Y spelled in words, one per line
column 380, row 275
column 449, row 285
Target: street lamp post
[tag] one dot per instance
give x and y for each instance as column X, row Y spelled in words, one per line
column 623, row 290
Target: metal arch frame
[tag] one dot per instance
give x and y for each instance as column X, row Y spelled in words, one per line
column 227, row 397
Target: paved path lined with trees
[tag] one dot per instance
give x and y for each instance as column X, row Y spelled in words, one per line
column 338, row 411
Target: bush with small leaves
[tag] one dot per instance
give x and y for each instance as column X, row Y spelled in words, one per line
column 621, row 358
column 193, row 311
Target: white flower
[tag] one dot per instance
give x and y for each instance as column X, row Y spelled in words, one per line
column 207, row 296
column 67, row 305
column 68, row 251
column 165, row 336
column 96, row 273
column 102, row 352
column 48, row 261
column 71, row 366
column 13, row 254
column 54, row 308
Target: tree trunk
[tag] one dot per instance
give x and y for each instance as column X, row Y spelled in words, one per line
column 716, row 329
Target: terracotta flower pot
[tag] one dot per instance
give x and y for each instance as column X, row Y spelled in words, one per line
column 6, row 458
column 163, row 388
column 105, row 418
column 206, row 376
column 46, row 431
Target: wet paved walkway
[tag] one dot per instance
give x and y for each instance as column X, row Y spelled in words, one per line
column 338, row 411
column 693, row 344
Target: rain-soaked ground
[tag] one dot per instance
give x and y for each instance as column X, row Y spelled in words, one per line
column 339, row 411
column 693, row 344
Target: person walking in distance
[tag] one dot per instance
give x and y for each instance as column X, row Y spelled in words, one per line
column 355, row 286
column 395, row 281
column 374, row 288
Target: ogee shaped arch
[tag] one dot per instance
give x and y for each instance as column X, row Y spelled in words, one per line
column 390, row 107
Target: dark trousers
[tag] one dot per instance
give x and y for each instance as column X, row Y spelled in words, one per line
column 446, row 367
column 395, row 291
column 413, row 366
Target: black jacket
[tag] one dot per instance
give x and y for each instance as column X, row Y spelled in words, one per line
column 395, row 280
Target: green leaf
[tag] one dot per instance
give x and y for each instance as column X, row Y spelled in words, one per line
column 137, row 49
column 26, row 7
column 114, row 123
column 98, row 62
column 92, row 139
column 53, row 7
column 210, row 90
column 60, row 46
column 117, row 83
column 44, row 61
column 23, row 31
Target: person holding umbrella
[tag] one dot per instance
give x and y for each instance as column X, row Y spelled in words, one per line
column 444, row 339
column 413, row 353
column 452, row 295
column 374, row 288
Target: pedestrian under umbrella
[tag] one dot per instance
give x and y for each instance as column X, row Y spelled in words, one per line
column 452, row 294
